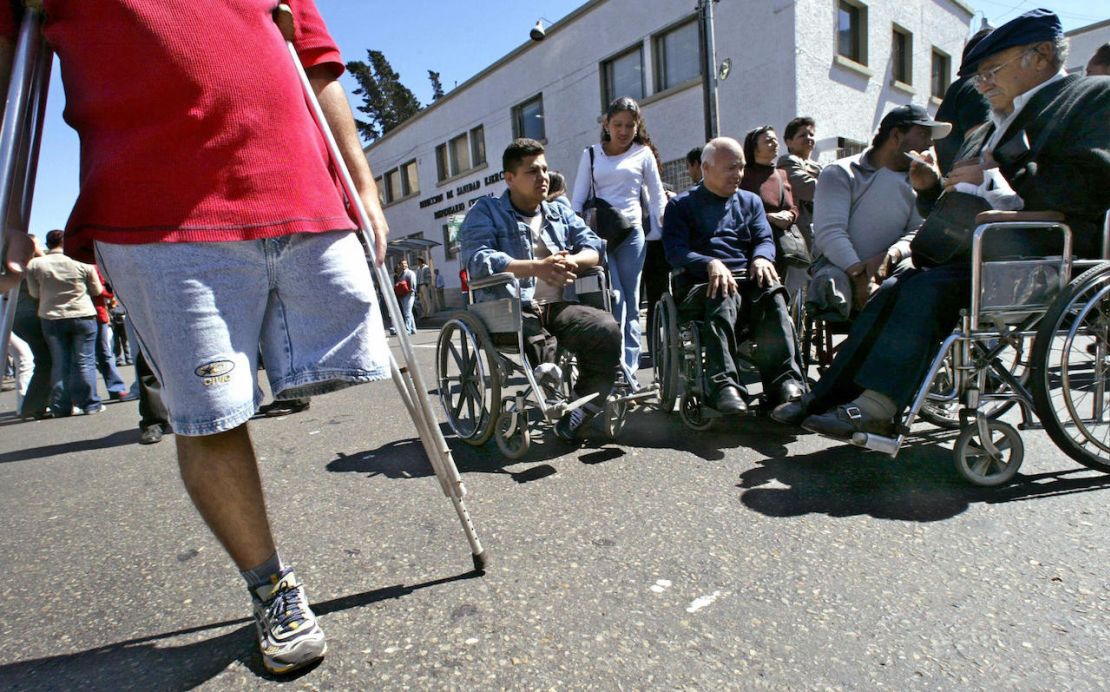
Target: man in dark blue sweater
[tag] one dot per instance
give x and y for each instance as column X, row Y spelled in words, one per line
column 719, row 235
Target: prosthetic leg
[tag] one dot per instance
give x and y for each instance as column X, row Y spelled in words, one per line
column 20, row 136
column 409, row 381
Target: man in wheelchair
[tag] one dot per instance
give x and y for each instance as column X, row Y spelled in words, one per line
column 1045, row 149
column 718, row 235
column 545, row 245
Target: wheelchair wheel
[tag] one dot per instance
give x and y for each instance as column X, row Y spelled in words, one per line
column 469, row 378
column 615, row 411
column 692, row 412
column 1071, row 368
column 511, row 433
column 980, row 467
column 665, row 352
column 944, row 412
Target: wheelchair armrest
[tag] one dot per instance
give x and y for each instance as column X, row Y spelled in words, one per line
column 994, row 216
column 493, row 280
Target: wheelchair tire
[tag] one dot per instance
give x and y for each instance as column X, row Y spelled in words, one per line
column 979, row 467
column 693, row 413
column 469, row 378
column 1071, row 369
column 666, row 352
column 512, row 440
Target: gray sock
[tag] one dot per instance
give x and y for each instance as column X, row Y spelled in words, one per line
column 876, row 405
column 261, row 574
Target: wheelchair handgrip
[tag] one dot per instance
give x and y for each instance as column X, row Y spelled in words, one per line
column 493, row 280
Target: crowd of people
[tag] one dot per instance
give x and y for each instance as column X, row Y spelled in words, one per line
column 216, row 273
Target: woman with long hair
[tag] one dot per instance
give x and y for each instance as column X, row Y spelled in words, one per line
column 771, row 184
column 624, row 166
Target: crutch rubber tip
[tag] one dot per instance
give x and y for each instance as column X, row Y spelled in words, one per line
column 480, row 560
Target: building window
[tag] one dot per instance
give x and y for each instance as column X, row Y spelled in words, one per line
column 443, row 171
column 381, row 189
column 623, row 76
column 528, row 119
column 676, row 174
column 901, row 55
column 393, row 189
column 941, row 71
column 410, row 181
column 461, row 154
column 846, row 147
column 451, row 236
column 478, row 146
column 677, row 56
column 851, row 31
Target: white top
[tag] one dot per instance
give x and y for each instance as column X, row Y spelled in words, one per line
column 545, row 292
column 619, row 179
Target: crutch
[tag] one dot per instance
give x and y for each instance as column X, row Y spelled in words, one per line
column 408, row 379
column 20, row 135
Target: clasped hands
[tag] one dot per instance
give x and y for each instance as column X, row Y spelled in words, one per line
column 558, row 269
column 723, row 283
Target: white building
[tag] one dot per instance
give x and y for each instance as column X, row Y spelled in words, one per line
column 843, row 62
column 1084, row 41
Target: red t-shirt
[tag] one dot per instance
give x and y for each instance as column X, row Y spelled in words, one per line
column 192, row 122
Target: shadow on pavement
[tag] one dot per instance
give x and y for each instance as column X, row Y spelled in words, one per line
column 920, row 485
column 141, row 664
column 116, row 439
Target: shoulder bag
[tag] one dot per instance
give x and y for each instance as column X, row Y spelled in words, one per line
column 606, row 221
column 790, row 244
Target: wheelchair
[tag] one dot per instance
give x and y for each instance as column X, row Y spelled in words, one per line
column 481, row 355
column 679, row 364
column 1032, row 338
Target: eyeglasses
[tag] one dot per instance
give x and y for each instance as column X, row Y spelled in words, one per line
column 989, row 75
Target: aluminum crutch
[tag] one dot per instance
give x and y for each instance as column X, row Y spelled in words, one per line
column 409, row 382
column 20, row 136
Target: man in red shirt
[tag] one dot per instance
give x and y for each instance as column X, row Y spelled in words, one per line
column 209, row 203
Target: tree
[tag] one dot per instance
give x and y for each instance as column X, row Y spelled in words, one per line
column 386, row 101
column 437, row 86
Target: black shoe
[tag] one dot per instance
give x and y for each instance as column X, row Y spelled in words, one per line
column 789, row 391
column 152, row 434
column 122, row 396
column 792, row 412
column 846, row 420
column 284, row 408
column 729, row 401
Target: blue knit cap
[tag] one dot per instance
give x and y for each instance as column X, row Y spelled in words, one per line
column 1032, row 27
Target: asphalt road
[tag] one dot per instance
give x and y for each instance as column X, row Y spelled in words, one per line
column 744, row 557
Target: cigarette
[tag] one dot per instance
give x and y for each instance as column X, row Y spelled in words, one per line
column 916, row 158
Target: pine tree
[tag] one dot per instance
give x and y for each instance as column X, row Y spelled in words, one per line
column 437, row 86
column 386, row 102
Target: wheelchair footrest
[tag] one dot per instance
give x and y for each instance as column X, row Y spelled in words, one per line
column 877, row 443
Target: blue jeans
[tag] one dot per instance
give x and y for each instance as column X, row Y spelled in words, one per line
column 626, row 263
column 106, row 360
column 406, row 311
column 28, row 327
column 72, row 345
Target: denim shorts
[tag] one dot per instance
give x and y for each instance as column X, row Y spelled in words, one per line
column 203, row 311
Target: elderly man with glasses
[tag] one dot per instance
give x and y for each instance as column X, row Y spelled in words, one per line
column 1046, row 148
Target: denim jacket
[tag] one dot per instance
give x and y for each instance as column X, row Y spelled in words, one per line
column 492, row 236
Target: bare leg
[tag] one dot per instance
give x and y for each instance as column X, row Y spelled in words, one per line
column 221, row 475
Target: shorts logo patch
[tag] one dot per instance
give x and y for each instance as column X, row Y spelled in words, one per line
column 215, row 372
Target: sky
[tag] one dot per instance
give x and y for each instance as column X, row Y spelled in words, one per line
column 456, row 39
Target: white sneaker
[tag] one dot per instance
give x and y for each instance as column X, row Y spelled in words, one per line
column 287, row 631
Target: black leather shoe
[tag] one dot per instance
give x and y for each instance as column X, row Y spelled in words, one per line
column 730, row 402
column 791, row 412
column 790, row 391
column 152, row 434
column 845, row 420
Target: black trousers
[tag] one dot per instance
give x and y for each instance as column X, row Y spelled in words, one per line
column 896, row 336
column 761, row 312
column 151, row 409
column 656, row 271
column 591, row 334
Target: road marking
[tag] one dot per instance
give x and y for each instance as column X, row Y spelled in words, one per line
column 702, row 601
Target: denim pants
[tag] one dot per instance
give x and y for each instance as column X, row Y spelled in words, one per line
column 106, row 359
column 72, row 344
column 626, row 263
column 406, row 310
column 28, row 327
